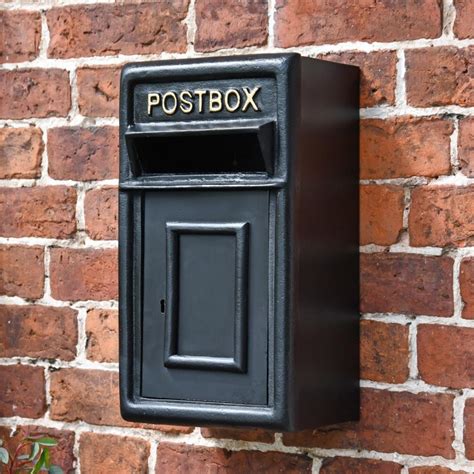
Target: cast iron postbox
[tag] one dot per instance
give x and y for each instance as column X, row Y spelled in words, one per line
column 239, row 242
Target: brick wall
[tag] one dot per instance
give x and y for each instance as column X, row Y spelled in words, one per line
column 58, row 250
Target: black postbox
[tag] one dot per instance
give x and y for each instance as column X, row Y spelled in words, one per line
column 239, row 242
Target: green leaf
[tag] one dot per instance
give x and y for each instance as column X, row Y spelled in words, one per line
column 45, row 441
column 39, row 464
column 47, row 458
column 53, row 469
column 35, row 448
column 4, row 456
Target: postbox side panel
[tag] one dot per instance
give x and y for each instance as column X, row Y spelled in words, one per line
column 205, row 296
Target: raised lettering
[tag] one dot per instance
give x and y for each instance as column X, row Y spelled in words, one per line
column 249, row 99
column 186, row 105
column 227, row 100
column 172, row 110
column 153, row 99
column 200, row 93
column 215, row 100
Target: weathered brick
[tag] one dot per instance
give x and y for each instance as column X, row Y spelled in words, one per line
column 446, row 355
column 404, row 147
column 20, row 35
column 226, row 24
column 40, row 211
column 83, row 154
column 20, row 152
column 38, row 93
column 384, row 352
column 341, row 465
column 466, row 281
column 244, row 434
column 38, row 331
column 466, row 146
column 463, row 24
column 113, row 454
column 469, row 428
column 22, row 271
column 406, row 283
column 61, row 455
column 442, row 215
column 420, row 424
column 84, row 274
column 102, row 335
column 433, row 470
column 304, row 23
column 93, row 396
column 440, row 76
column 98, row 91
column 182, row 458
column 22, row 391
column 381, row 214
column 377, row 74
column 107, row 29
column 101, row 209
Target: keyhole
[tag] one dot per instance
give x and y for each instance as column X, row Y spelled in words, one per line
column 162, row 306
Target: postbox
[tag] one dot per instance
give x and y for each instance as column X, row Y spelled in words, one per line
column 238, row 242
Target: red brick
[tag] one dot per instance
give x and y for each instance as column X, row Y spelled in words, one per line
column 102, row 335
column 22, row 391
column 38, row 331
column 103, row 453
column 39, row 211
column 181, row 458
column 22, row 271
column 377, row 75
column 101, row 209
column 226, row 24
column 440, row 76
column 463, row 24
column 466, row 281
column 38, row 93
column 406, row 283
column 384, row 352
column 446, row 355
column 244, row 434
column 433, row 470
column 62, row 454
column 98, row 91
column 20, row 152
column 469, row 428
column 304, row 23
column 442, row 215
column 404, row 147
column 381, row 214
column 108, row 30
column 84, row 274
column 20, row 35
column 402, row 422
column 93, row 396
column 358, row 466
column 466, row 146
column 83, row 154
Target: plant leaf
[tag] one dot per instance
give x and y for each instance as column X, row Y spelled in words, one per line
column 34, row 451
column 4, row 456
column 53, row 469
column 39, row 464
column 47, row 458
column 45, row 441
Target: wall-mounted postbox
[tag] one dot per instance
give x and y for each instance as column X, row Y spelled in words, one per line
column 239, row 242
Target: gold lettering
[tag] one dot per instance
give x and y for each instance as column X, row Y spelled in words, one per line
column 249, row 99
column 200, row 93
column 153, row 99
column 227, row 100
column 186, row 105
column 215, row 100
column 172, row 110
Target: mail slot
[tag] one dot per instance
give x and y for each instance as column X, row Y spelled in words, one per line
column 238, row 242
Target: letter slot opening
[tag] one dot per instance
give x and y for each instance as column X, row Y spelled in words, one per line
column 208, row 151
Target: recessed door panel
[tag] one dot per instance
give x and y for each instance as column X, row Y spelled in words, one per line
column 205, row 296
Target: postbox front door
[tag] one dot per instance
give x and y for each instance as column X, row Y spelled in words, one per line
column 205, row 296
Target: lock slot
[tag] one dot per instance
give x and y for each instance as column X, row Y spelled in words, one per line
column 234, row 150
